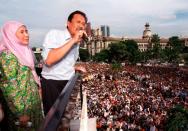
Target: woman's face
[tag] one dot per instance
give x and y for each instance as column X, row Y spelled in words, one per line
column 22, row 35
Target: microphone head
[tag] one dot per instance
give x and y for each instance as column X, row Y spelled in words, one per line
column 85, row 38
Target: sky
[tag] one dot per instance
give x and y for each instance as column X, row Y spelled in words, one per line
column 126, row 18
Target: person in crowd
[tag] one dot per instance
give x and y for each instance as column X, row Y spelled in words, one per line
column 1, row 108
column 60, row 53
column 19, row 82
column 1, row 113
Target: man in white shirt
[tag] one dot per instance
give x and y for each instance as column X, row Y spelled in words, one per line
column 61, row 50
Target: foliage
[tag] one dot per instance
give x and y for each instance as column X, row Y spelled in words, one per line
column 173, row 49
column 177, row 119
column 127, row 51
column 133, row 51
column 156, row 49
column 155, row 39
column 116, row 66
column 185, row 49
column 117, row 52
column 145, row 56
column 84, row 54
column 185, row 57
column 102, row 56
column 169, row 55
column 176, row 44
column 120, row 52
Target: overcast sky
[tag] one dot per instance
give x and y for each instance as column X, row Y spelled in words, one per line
column 124, row 17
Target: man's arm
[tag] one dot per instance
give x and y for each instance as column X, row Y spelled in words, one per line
column 56, row 54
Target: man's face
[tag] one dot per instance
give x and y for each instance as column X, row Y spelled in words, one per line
column 77, row 23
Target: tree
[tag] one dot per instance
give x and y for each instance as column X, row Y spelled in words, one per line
column 132, row 51
column 102, row 56
column 117, row 52
column 146, row 55
column 175, row 48
column 177, row 119
column 156, row 49
column 169, row 55
column 185, row 57
column 185, row 49
column 176, row 44
column 84, row 54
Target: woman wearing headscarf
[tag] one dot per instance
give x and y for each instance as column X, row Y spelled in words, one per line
column 18, row 81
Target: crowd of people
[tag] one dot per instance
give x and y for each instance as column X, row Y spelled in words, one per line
column 135, row 97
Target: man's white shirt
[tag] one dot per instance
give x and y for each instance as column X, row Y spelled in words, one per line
column 64, row 69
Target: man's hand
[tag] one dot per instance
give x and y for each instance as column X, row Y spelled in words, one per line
column 80, row 69
column 79, row 36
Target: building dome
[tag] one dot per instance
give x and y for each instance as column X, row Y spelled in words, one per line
column 147, row 32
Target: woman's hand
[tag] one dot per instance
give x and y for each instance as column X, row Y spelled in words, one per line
column 23, row 120
column 1, row 113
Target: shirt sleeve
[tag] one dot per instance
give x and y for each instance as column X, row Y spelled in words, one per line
column 52, row 40
column 48, row 43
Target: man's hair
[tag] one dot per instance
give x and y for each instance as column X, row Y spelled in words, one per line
column 77, row 12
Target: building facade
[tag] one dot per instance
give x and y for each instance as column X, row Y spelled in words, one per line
column 101, row 40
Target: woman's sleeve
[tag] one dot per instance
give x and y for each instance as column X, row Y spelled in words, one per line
column 10, row 67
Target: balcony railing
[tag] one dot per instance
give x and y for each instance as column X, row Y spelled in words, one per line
column 54, row 116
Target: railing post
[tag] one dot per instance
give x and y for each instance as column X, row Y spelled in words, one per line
column 81, row 94
column 84, row 115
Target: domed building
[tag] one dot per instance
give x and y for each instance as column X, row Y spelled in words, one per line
column 99, row 42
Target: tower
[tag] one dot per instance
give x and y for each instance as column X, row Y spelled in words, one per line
column 105, row 30
column 147, row 34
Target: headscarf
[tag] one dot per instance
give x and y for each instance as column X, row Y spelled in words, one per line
column 10, row 42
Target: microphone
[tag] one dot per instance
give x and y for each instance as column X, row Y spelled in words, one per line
column 85, row 38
